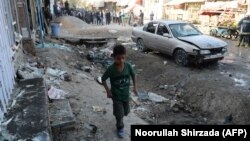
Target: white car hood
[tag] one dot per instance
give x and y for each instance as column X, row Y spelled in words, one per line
column 204, row 41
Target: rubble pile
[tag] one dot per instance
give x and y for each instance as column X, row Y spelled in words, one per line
column 71, row 22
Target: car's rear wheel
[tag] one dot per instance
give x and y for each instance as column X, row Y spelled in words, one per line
column 140, row 45
column 181, row 57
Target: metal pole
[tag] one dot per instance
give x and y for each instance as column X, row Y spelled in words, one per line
column 40, row 21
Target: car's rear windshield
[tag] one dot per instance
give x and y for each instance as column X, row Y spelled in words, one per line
column 184, row 30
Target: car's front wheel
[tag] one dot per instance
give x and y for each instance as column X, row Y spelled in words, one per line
column 140, row 45
column 181, row 57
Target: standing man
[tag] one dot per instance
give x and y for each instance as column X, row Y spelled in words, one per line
column 244, row 27
column 108, row 17
column 66, row 4
column 152, row 16
column 55, row 9
column 141, row 17
column 131, row 18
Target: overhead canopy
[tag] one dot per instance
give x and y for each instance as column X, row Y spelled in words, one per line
column 220, row 5
column 178, row 2
column 217, row 8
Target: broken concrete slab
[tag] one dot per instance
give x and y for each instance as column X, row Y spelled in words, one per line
column 61, row 115
column 27, row 119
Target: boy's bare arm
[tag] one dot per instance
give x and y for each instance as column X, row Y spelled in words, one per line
column 109, row 94
column 135, row 85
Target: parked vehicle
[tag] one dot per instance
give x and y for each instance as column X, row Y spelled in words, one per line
column 225, row 32
column 179, row 39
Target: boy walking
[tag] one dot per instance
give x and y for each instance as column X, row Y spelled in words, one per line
column 119, row 74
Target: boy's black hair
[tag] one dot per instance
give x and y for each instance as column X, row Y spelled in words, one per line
column 119, row 50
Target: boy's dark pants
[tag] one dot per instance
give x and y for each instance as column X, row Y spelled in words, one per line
column 120, row 109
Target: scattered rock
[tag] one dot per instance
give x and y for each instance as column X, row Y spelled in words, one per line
column 199, row 94
column 230, row 75
column 165, row 62
column 176, row 109
column 93, row 129
column 87, row 69
column 67, row 77
column 228, row 119
column 163, row 86
column 79, row 66
column 98, row 109
column 173, row 103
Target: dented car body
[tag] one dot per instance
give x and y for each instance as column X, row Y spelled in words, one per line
column 179, row 39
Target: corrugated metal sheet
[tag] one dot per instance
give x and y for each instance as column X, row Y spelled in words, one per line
column 6, row 64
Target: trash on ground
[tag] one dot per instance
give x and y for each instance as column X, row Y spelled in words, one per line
column 98, row 109
column 55, row 93
column 55, row 72
column 66, row 77
column 135, row 100
column 87, row 69
column 142, row 96
column 99, row 80
column 102, row 56
column 28, row 72
column 156, row 98
column 53, row 45
column 163, row 86
column 93, row 129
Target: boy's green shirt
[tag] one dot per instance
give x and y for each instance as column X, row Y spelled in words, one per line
column 120, row 81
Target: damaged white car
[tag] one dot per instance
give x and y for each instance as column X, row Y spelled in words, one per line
column 179, row 39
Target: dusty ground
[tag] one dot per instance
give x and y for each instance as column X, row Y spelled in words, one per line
column 207, row 94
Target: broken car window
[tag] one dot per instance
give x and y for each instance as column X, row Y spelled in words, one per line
column 184, row 30
column 162, row 29
column 152, row 27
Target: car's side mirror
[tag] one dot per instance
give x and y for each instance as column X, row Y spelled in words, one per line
column 167, row 35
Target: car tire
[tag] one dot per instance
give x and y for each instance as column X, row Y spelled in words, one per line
column 140, row 45
column 181, row 57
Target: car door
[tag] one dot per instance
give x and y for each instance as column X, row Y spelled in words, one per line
column 164, row 44
column 149, row 35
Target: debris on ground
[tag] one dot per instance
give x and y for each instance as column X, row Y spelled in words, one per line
column 135, row 100
column 53, row 45
column 142, row 96
column 98, row 109
column 156, row 98
column 163, row 86
column 28, row 72
column 93, row 128
column 102, row 56
column 61, row 115
column 165, row 62
column 67, row 77
column 55, row 93
column 55, row 72
column 99, row 80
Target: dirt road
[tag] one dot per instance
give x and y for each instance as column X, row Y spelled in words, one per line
column 207, row 94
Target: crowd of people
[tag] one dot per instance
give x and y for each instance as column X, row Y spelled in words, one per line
column 99, row 17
